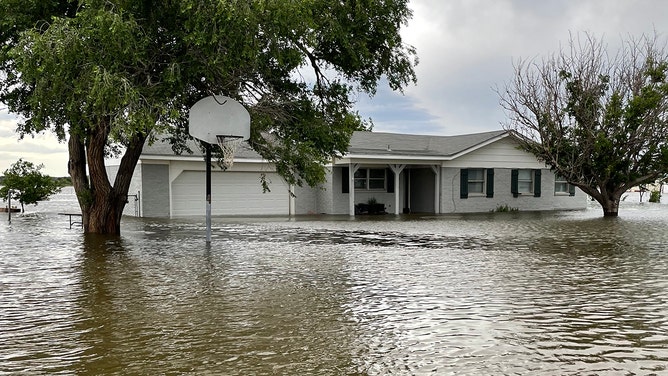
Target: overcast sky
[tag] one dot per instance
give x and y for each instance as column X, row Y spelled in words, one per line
column 466, row 48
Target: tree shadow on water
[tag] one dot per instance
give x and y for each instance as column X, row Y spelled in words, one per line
column 107, row 274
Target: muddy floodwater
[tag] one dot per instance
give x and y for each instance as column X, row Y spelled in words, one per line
column 560, row 293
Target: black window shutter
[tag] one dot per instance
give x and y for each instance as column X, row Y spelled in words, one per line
column 345, row 180
column 536, row 183
column 514, row 186
column 389, row 180
column 490, row 183
column 571, row 190
column 464, row 183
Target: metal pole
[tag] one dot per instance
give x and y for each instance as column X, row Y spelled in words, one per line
column 9, row 204
column 208, row 193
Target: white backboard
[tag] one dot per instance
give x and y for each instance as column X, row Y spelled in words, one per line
column 218, row 116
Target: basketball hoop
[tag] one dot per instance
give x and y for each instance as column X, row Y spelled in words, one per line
column 208, row 118
column 229, row 146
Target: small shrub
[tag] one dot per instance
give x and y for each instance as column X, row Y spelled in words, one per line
column 505, row 209
column 372, row 201
column 655, row 196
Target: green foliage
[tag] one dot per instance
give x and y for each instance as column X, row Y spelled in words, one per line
column 596, row 118
column 63, row 181
column 655, row 196
column 108, row 75
column 27, row 184
column 143, row 64
column 85, row 197
column 505, row 209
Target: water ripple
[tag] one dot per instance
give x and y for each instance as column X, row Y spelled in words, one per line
column 496, row 294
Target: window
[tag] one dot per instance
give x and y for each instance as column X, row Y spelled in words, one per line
column 376, row 178
column 477, row 182
column 370, row 179
column 365, row 179
column 560, row 184
column 562, row 187
column 525, row 182
column 361, row 179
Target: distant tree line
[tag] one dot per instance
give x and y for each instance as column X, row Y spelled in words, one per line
column 62, row 181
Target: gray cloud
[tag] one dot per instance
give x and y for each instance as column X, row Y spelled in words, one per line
column 41, row 149
column 467, row 47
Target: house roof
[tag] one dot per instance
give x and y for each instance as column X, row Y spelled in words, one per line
column 373, row 144
column 378, row 143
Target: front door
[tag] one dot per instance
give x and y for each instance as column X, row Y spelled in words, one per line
column 420, row 190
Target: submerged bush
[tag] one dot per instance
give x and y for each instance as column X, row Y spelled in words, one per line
column 505, row 209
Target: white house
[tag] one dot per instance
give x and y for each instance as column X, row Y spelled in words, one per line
column 407, row 173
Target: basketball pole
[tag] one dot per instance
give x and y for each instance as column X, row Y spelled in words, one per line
column 206, row 118
column 208, row 193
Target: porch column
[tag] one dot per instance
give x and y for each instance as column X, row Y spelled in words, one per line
column 437, row 188
column 397, row 189
column 352, row 168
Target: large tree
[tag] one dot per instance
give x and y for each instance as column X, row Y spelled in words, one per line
column 598, row 119
column 24, row 182
column 106, row 76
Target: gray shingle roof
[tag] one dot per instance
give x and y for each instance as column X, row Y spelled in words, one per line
column 368, row 143
column 376, row 143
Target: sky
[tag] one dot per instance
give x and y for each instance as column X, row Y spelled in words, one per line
column 466, row 49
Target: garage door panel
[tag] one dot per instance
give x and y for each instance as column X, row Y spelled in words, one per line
column 232, row 193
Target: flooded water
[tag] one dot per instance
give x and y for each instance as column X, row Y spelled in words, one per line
column 566, row 293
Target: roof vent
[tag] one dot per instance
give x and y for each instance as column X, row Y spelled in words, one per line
column 388, row 148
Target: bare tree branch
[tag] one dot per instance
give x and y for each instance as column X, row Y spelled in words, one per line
column 600, row 120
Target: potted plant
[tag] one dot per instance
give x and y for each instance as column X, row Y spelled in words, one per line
column 370, row 207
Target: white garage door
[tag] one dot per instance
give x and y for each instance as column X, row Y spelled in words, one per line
column 232, row 193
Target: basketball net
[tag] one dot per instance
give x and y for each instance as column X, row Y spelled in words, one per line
column 229, row 146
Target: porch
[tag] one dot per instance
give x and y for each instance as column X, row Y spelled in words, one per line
column 403, row 188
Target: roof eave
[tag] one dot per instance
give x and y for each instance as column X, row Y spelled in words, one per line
column 370, row 158
column 190, row 158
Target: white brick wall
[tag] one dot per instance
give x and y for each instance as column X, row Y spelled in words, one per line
column 452, row 203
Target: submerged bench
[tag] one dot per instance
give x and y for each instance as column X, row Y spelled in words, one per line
column 73, row 221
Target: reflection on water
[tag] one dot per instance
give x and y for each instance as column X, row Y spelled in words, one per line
column 566, row 293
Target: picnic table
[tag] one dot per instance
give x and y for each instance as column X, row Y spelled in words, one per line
column 74, row 221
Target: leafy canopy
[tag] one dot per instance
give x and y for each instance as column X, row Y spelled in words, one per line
column 26, row 184
column 72, row 67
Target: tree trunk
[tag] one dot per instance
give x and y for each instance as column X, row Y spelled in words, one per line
column 104, row 216
column 76, row 166
column 610, row 204
column 608, row 198
column 611, row 209
column 101, row 203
